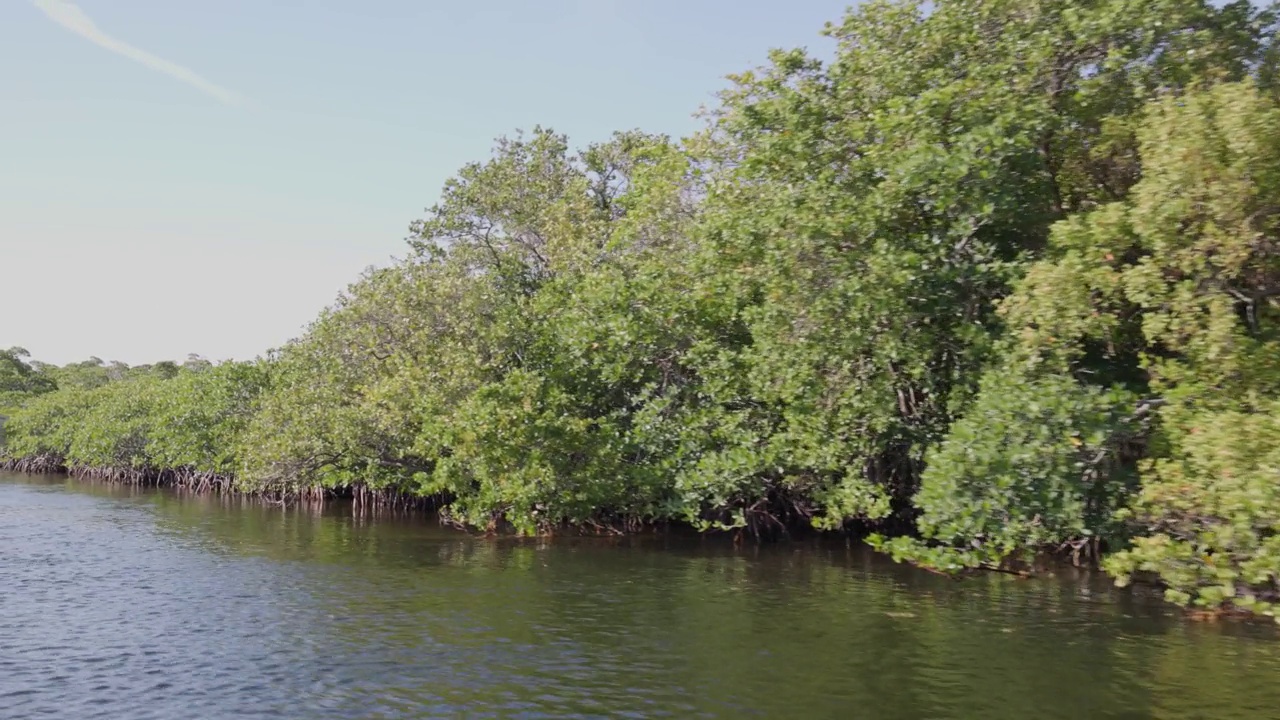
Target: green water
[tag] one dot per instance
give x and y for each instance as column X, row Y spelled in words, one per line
column 118, row 603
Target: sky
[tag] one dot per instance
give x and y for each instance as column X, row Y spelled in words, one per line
column 181, row 177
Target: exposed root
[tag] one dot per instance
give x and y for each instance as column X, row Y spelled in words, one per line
column 364, row 498
column 34, row 465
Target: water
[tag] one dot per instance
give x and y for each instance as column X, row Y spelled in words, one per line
column 119, row 603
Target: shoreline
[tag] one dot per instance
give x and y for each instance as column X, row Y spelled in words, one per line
column 361, row 497
column 208, row 483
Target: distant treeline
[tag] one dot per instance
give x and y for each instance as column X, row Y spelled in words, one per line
column 1001, row 277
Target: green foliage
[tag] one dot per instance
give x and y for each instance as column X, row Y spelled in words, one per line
column 46, row 425
column 344, row 400
column 865, row 217
column 115, row 430
column 19, row 380
column 86, row 375
column 201, row 414
column 1204, row 272
column 144, row 422
column 1172, row 293
column 1034, row 463
column 505, row 365
column 1209, row 511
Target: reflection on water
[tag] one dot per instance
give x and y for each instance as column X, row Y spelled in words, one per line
column 121, row 603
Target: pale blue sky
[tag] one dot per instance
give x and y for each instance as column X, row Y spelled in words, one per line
column 209, row 186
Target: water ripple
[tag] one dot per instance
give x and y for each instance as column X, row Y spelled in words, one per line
column 128, row 604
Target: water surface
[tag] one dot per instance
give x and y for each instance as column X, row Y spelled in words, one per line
column 124, row 603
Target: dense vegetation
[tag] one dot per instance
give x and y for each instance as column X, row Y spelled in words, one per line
column 1001, row 277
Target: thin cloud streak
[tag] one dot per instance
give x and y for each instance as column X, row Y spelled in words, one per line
column 71, row 17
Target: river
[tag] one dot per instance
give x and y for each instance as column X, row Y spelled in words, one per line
column 134, row 604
